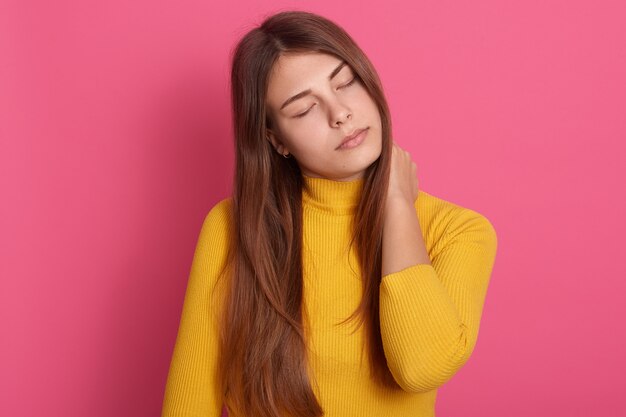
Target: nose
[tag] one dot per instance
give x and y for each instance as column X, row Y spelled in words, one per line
column 340, row 114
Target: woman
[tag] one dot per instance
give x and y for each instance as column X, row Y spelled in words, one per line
column 326, row 226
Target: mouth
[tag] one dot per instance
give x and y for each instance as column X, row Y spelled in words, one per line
column 354, row 139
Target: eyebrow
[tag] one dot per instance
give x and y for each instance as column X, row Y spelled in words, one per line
column 307, row 92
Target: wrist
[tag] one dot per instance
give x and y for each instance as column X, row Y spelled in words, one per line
column 395, row 201
column 399, row 208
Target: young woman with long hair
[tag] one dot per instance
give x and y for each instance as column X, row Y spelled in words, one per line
column 328, row 283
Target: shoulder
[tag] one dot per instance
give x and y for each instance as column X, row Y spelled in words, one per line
column 449, row 220
column 210, row 260
column 220, row 214
column 216, row 226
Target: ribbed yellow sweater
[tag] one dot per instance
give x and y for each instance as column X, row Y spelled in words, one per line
column 429, row 315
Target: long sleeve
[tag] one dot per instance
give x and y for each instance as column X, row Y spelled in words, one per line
column 192, row 388
column 430, row 314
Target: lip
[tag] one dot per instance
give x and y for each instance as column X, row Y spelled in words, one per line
column 354, row 139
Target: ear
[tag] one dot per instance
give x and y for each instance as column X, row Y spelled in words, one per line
column 277, row 144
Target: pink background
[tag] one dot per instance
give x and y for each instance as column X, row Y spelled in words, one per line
column 116, row 141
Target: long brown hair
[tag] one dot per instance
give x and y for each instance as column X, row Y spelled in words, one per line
column 263, row 364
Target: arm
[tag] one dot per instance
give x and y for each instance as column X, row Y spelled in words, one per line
column 192, row 388
column 430, row 312
column 403, row 244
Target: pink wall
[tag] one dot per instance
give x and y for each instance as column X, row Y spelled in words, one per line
column 116, row 141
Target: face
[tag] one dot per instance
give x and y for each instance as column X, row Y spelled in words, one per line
column 312, row 126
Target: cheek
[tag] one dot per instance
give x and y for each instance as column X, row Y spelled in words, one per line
column 318, row 151
column 366, row 103
column 306, row 142
column 371, row 103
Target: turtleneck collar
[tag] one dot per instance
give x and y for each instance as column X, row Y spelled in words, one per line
column 333, row 197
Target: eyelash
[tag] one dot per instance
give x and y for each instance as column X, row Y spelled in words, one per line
column 343, row 86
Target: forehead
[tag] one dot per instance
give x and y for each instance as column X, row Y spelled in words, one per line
column 293, row 73
column 286, row 64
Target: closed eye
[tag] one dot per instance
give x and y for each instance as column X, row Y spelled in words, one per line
column 343, row 86
column 350, row 83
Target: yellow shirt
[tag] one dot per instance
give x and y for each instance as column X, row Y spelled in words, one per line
column 429, row 314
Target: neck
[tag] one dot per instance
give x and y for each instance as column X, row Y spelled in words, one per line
column 331, row 196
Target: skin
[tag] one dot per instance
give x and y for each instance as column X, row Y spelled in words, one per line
column 403, row 241
column 337, row 108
